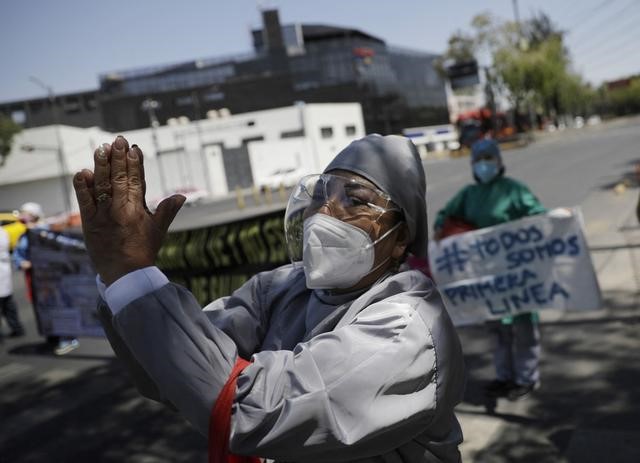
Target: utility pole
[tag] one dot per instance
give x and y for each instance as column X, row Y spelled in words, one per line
column 522, row 47
column 59, row 150
column 149, row 105
column 203, row 157
column 516, row 13
column 492, row 101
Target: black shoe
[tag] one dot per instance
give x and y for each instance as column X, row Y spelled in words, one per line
column 518, row 391
column 498, row 388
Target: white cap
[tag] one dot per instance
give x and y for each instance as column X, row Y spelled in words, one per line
column 33, row 209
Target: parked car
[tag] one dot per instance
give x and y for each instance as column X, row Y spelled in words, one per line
column 10, row 221
column 193, row 195
column 286, row 177
column 594, row 120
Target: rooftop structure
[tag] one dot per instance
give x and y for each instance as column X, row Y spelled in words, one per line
column 314, row 63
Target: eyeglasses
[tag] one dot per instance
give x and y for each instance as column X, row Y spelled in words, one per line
column 350, row 196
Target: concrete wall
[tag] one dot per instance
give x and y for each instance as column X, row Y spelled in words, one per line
column 47, row 192
column 215, row 155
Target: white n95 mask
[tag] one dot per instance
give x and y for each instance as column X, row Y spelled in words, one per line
column 336, row 254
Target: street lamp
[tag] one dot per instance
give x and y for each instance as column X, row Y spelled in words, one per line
column 150, row 105
column 61, row 161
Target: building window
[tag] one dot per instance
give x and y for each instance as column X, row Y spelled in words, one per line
column 350, row 130
column 71, row 105
column 90, row 103
column 35, row 106
column 185, row 100
column 246, row 141
column 292, row 133
column 307, row 85
column 19, row 116
column 213, row 96
column 326, row 132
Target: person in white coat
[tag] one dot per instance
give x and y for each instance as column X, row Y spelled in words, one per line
column 335, row 357
column 8, row 307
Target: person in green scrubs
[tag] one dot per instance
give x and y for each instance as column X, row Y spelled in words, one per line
column 494, row 199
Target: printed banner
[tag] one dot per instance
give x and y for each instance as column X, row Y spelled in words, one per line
column 211, row 262
column 538, row 262
column 63, row 284
column 214, row 261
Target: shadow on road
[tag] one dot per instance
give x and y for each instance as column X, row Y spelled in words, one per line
column 43, row 349
column 630, row 176
column 588, row 407
column 96, row 416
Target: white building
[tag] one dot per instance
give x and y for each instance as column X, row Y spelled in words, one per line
column 216, row 155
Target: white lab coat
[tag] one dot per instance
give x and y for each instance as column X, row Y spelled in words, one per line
column 6, row 283
column 365, row 377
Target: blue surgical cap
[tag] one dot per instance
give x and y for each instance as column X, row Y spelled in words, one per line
column 484, row 147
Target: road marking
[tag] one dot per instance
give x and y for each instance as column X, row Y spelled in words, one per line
column 478, row 430
column 594, row 227
column 13, row 370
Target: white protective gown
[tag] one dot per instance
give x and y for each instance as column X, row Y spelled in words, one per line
column 371, row 377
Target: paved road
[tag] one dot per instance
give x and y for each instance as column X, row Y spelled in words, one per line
column 588, row 407
column 81, row 407
column 562, row 169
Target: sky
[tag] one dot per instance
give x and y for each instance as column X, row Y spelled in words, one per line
column 66, row 44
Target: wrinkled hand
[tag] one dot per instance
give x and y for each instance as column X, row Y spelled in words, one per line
column 120, row 232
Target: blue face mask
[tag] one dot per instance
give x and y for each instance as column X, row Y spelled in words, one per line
column 485, row 170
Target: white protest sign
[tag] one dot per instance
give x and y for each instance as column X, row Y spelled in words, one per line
column 534, row 263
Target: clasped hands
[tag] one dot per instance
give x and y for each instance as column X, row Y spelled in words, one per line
column 120, row 232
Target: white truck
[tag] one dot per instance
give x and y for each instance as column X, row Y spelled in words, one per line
column 433, row 138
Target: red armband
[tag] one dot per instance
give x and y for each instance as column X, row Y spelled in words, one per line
column 220, row 421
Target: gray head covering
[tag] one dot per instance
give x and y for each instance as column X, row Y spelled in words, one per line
column 392, row 163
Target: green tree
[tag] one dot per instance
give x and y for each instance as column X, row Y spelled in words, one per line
column 530, row 64
column 622, row 101
column 460, row 48
column 8, row 129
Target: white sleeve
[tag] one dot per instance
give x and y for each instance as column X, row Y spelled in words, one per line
column 130, row 287
column 183, row 353
column 363, row 389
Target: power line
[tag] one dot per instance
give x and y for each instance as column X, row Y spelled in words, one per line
column 608, row 57
column 589, row 13
column 616, row 15
column 595, row 36
column 613, row 47
column 621, row 32
column 569, row 8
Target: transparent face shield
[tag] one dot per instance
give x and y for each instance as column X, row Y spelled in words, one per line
column 347, row 199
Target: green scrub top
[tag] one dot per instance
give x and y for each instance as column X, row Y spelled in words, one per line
column 486, row 204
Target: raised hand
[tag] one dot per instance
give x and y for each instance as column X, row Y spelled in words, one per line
column 120, row 232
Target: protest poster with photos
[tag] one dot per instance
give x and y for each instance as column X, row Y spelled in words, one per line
column 539, row 262
column 63, row 284
column 210, row 261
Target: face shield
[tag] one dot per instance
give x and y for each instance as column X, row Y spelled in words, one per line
column 346, row 199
